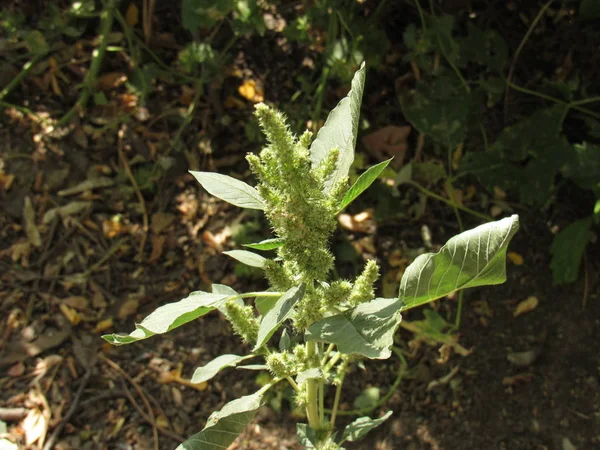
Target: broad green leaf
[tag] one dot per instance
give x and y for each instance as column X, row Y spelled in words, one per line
column 473, row 258
column 584, row 165
column 309, row 374
column 224, row 426
column 280, row 312
column 367, row 329
column 223, row 289
column 439, row 110
column 230, row 190
column 284, row 341
column 567, row 250
column 264, row 304
column 361, row 426
column 404, row 175
column 208, row 371
column 267, row 244
column 197, row 14
column 306, row 435
column 340, row 130
column 248, row 258
column 168, row 317
column 363, row 182
column 368, row 398
column 253, row 367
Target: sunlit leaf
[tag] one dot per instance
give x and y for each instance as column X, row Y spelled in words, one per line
column 209, row 370
column 170, row 316
column 361, row 426
column 367, row 329
column 472, row 258
column 340, row 131
column 230, row 190
column 267, row 244
column 224, row 426
column 280, row 312
column 363, row 182
column 248, row 258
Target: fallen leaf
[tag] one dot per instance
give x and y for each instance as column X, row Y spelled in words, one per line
column 6, row 180
column 20, row 351
column 495, row 211
column 527, row 305
column 132, row 15
column 233, row 103
column 17, row 370
column 103, row 325
column 114, row 227
column 71, row 315
column 110, row 80
column 77, row 302
column 515, row 258
column 499, row 193
column 517, row 379
column 31, row 229
column 174, row 376
column 67, row 210
column 158, row 243
column 128, row 308
column 161, row 221
column 388, row 141
column 209, row 239
column 34, row 426
column 250, row 90
column 87, row 185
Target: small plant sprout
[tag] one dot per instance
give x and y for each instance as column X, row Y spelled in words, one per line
column 302, row 185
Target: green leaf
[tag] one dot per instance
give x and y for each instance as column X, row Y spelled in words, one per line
column 367, row 329
column 567, row 250
column 306, row 435
column 168, row 317
column 340, row 131
column 208, row 371
column 439, row 110
column 248, row 258
column 264, row 304
column 223, row 289
column 363, row 182
column 584, row 165
column 309, row 374
column 361, row 426
column 197, row 14
column 230, row 190
column 280, row 312
column 267, row 244
column 473, row 258
column 284, row 341
column 224, row 426
column 368, row 398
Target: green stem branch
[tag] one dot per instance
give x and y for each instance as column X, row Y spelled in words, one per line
column 17, row 80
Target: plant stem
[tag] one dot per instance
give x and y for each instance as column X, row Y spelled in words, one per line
column 312, row 406
column 448, row 202
column 293, row 383
column 332, row 362
column 338, row 393
column 326, row 355
column 106, row 20
column 17, row 80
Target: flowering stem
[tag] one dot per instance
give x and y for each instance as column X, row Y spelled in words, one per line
column 312, row 407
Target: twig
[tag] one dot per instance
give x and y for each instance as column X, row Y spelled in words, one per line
column 13, row 414
column 106, row 20
column 56, row 433
column 24, row 71
column 513, row 63
column 138, row 193
column 141, row 412
column 140, row 391
column 147, row 12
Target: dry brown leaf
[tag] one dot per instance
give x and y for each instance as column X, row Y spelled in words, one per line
column 128, row 308
column 174, row 376
column 103, row 325
column 17, row 370
column 132, row 15
column 252, row 91
column 158, row 243
column 114, row 227
column 6, row 180
column 527, row 305
column 517, row 379
column 209, row 239
column 111, row 80
column 71, row 315
column 515, row 258
column 33, row 234
column 161, row 221
column 388, row 141
column 77, row 301
column 34, row 425
column 232, row 102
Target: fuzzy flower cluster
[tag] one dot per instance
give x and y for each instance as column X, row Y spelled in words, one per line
column 298, row 208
